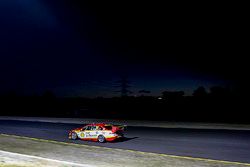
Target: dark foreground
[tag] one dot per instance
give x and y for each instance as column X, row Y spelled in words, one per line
column 230, row 145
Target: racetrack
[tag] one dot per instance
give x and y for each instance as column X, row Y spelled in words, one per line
column 229, row 145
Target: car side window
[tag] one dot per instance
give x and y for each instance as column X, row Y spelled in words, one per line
column 93, row 128
column 88, row 128
column 99, row 128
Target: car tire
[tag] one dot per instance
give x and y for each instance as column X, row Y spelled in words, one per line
column 101, row 139
column 73, row 136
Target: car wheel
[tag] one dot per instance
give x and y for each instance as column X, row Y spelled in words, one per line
column 73, row 136
column 101, row 139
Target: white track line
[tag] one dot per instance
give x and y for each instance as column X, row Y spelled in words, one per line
column 47, row 159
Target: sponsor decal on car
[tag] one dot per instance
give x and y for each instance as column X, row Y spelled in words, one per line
column 82, row 135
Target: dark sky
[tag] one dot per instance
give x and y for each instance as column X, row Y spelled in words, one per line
column 80, row 48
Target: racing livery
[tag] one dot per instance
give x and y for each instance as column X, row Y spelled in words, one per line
column 97, row 132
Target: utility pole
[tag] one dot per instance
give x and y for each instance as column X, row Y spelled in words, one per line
column 124, row 86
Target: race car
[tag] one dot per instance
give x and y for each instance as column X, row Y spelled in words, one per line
column 100, row 132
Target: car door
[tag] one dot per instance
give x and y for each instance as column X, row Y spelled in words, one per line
column 99, row 130
column 92, row 133
column 89, row 132
column 83, row 133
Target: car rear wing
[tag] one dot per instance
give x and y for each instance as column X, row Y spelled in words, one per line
column 121, row 127
column 116, row 128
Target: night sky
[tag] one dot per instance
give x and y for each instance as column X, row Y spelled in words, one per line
column 80, row 48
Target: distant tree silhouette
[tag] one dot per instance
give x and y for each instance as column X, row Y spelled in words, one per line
column 34, row 95
column 143, row 92
column 200, row 92
column 172, row 94
column 11, row 94
column 48, row 94
column 218, row 91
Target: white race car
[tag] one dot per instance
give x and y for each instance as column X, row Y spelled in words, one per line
column 97, row 132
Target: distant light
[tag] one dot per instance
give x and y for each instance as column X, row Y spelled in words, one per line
column 159, row 98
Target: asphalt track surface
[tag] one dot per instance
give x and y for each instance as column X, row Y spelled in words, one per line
column 228, row 145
